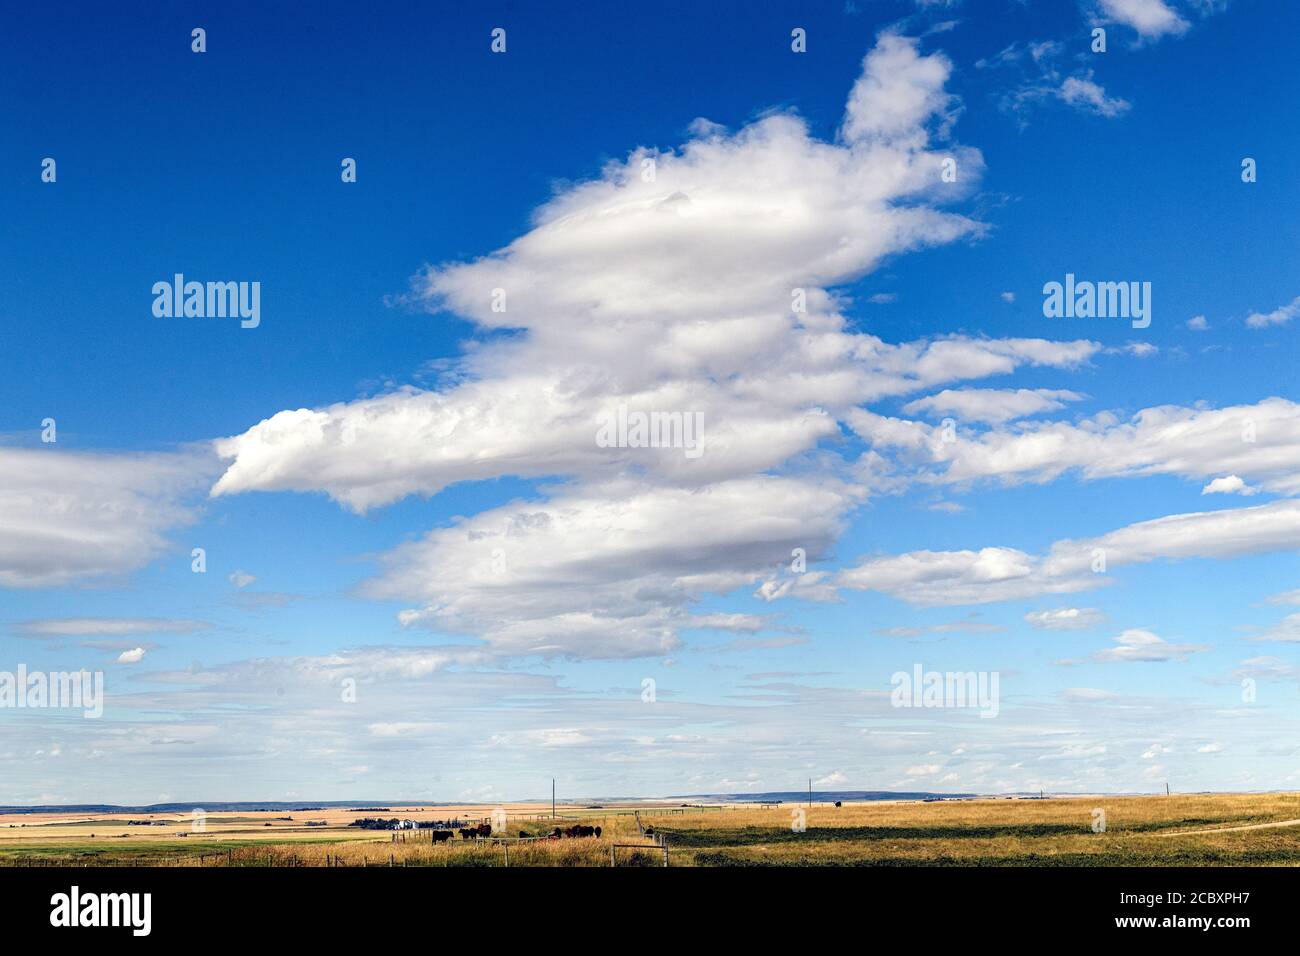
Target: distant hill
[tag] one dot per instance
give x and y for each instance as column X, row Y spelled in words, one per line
column 221, row 806
column 771, row 796
column 822, row 796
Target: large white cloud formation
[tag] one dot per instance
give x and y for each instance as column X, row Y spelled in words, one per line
column 670, row 283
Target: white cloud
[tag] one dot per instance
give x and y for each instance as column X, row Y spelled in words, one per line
column 1286, row 631
column 607, row 571
column 991, row 404
column 109, row 626
column 1150, row 18
column 1198, row 323
column 1267, row 668
column 241, row 579
column 1088, row 695
column 1259, row 442
column 1137, row 645
column 666, row 294
column 670, row 292
column 1228, row 485
column 898, row 92
column 1065, row 618
column 1084, row 93
column 1279, row 316
column 966, row 626
column 68, row 517
column 1008, row 297
column 736, row 623
column 993, row 574
column 133, row 656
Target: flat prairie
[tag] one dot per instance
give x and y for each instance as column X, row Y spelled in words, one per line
column 1196, row 829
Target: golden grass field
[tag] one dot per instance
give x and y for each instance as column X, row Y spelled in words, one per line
column 1141, row 830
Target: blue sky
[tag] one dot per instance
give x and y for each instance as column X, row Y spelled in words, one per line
column 398, row 486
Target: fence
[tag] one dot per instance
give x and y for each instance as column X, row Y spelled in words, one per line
column 661, row 844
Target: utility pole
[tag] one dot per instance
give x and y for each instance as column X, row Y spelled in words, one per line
column 1166, row 788
column 552, row 798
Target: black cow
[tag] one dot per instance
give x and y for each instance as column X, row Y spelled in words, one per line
column 440, row 836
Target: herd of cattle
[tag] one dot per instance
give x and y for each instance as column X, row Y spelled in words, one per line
column 485, row 830
column 440, row 831
column 577, row 830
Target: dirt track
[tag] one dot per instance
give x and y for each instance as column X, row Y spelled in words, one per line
column 1250, row 826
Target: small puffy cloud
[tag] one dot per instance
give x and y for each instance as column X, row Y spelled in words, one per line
column 1228, row 485
column 1008, row 297
column 1083, row 93
column 1152, row 19
column 1065, row 618
column 134, row 656
column 1137, row 645
column 242, row 579
column 1198, row 323
column 1212, row 748
column 1279, row 316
